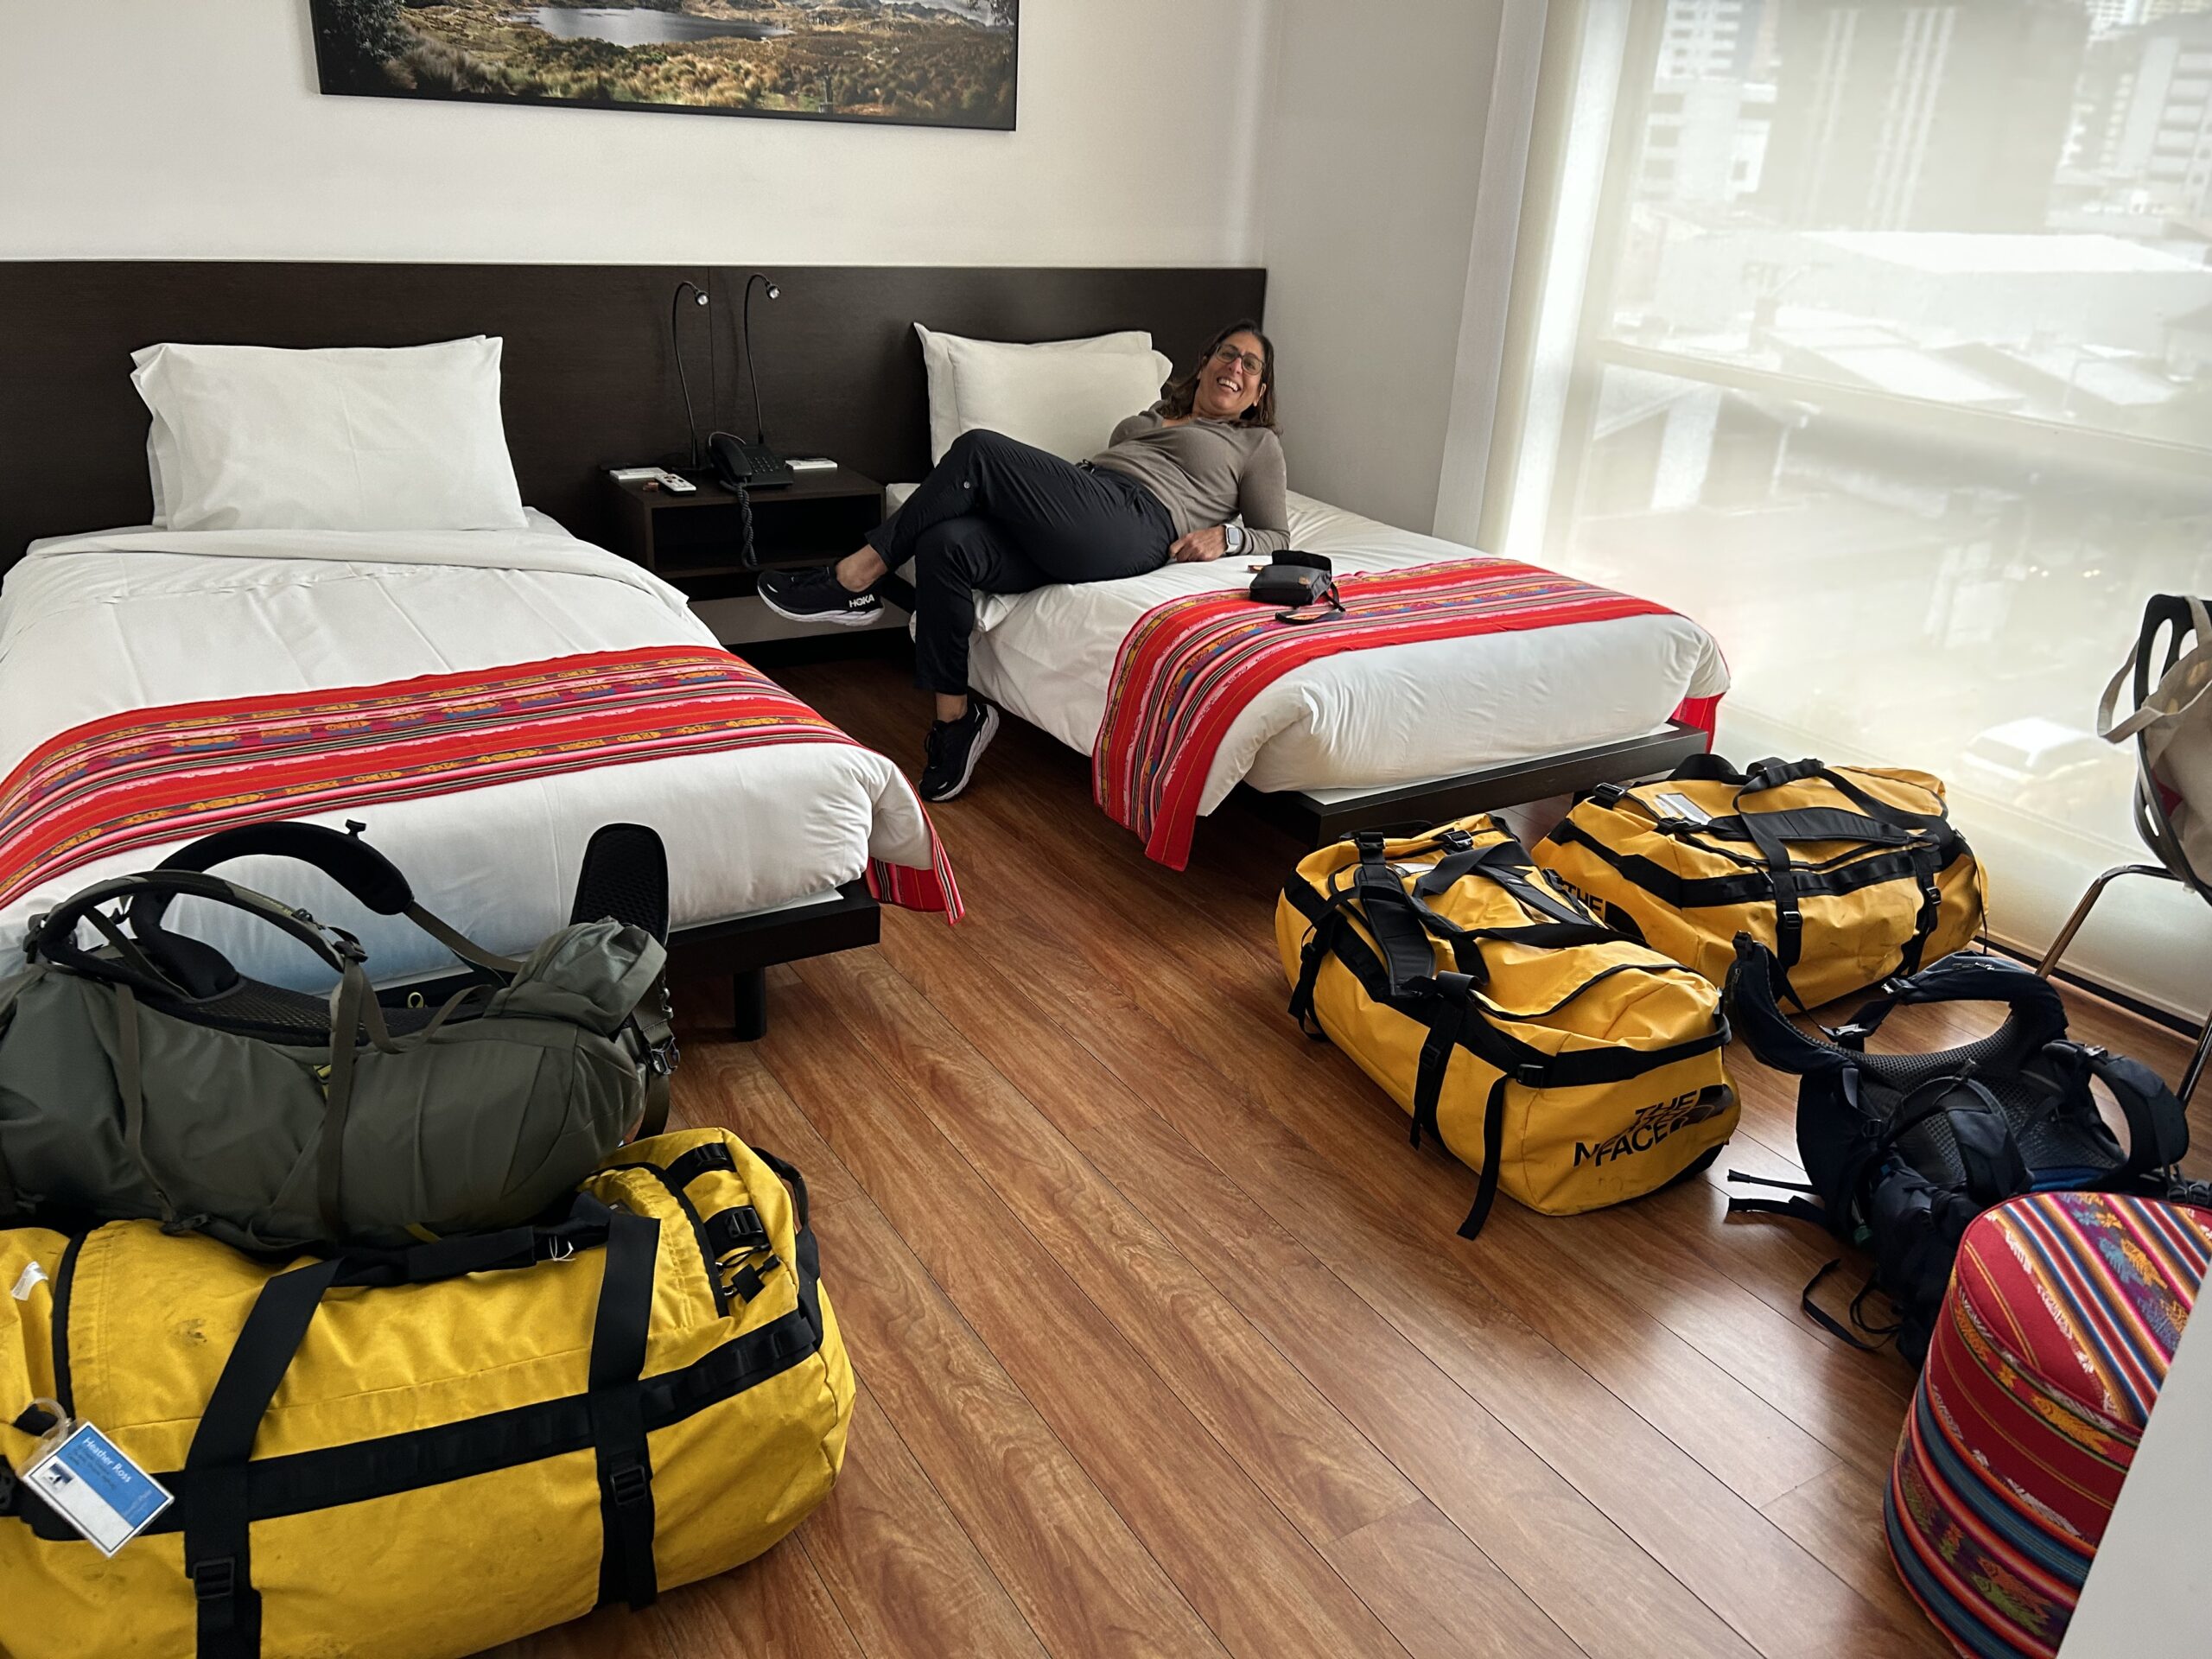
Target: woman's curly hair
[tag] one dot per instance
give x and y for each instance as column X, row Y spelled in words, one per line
column 1178, row 397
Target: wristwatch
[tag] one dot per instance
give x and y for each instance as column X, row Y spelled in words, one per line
column 1236, row 534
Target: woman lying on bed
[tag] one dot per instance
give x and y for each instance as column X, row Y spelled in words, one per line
column 999, row 517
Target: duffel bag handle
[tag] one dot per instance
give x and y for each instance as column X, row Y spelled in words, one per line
column 1774, row 772
column 54, row 936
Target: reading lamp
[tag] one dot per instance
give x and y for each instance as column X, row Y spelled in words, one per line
column 675, row 305
column 760, row 429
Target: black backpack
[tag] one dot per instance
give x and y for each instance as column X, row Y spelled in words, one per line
column 1903, row 1150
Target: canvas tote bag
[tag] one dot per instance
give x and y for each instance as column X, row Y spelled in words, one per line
column 2175, row 725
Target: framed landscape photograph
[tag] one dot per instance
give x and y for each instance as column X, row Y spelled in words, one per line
column 940, row 63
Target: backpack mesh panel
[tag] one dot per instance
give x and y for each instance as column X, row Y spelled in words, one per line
column 2048, row 1135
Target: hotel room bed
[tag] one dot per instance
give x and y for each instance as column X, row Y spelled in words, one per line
column 1361, row 721
column 97, row 624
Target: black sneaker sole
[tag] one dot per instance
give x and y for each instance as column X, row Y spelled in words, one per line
column 841, row 619
column 975, row 753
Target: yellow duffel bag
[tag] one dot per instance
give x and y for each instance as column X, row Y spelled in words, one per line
column 1571, row 1066
column 428, row 1451
column 1848, row 874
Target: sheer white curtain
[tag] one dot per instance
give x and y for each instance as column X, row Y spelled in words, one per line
column 1877, row 336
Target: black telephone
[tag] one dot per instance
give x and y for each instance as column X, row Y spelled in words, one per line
column 742, row 466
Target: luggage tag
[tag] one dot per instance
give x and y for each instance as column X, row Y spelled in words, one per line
column 88, row 1481
column 1681, row 806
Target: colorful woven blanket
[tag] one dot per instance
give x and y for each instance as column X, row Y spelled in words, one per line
column 1190, row 666
column 153, row 776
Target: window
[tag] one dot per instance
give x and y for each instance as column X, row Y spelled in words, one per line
column 1913, row 443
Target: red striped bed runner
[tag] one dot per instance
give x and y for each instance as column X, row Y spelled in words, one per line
column 149, row 777
column 1190, row 666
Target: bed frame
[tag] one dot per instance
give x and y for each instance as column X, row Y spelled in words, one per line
column 1414, row 807
column 746, row 948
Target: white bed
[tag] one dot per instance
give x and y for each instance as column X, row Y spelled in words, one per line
column 130, row 619
column 1364, row 720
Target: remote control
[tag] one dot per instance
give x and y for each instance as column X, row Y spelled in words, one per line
column 676, row 484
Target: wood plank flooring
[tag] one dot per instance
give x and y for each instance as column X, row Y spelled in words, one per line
column 1165, row 1343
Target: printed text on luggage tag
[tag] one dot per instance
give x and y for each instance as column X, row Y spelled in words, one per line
column 86, row 1481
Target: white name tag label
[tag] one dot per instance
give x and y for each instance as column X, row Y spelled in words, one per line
column 95, row 1488
column 1681, row 806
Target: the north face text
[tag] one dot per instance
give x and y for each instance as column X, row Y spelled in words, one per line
column 1653, row 1124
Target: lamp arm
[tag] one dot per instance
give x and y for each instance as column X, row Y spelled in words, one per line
column 752, row 376
column 676, row 350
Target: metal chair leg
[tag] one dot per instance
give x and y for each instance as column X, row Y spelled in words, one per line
column 2073, row 925
column 2196, row 1064
column 2089, row 903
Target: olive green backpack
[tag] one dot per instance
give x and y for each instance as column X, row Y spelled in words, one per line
column 144, row 1077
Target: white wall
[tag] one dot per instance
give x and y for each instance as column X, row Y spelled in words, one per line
column 202, row 135
column 1371, row 175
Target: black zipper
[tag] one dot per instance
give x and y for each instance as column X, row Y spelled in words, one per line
column 65, row 1278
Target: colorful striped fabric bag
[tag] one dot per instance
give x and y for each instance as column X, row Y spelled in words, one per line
column 2062, row 1319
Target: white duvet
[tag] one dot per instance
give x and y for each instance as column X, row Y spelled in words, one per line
column 132, row 618
column 1364, row 719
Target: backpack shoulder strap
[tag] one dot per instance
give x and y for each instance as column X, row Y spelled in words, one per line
column 1963, row 977
column 366, row 874
column 1773, row 1037
column 1400, row 931
column 2157, row 1123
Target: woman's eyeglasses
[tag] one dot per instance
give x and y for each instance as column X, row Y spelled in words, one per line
column 1253, row 366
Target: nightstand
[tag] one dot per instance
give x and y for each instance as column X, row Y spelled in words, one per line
column 692, row 540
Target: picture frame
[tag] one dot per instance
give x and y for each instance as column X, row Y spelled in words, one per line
column 936, row 63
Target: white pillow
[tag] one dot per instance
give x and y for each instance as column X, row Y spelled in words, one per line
column 1065, row 396
column 254, row 438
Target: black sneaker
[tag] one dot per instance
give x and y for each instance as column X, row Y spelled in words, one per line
column 816, row 595
column 954, row 747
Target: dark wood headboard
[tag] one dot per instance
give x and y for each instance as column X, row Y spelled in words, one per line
column 589, row 380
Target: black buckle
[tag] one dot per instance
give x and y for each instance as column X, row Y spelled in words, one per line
column 1529, row 1076
column 215, row 1579
column 660, row 1059
column 1791, row 920
column 1934, row 895
column 1455, row 987
column 737, row 1231
column 1609, row 794
column 628, row 1484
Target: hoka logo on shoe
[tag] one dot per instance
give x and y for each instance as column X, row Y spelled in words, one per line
column 1655, row 1123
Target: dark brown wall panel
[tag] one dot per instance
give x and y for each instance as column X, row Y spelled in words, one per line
column 589, row 380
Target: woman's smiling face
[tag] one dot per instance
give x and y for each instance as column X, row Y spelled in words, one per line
column 1232, row 380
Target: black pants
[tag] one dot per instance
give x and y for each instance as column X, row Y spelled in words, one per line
column 999, row 517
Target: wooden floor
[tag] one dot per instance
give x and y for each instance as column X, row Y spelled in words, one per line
column 1164, row 1341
